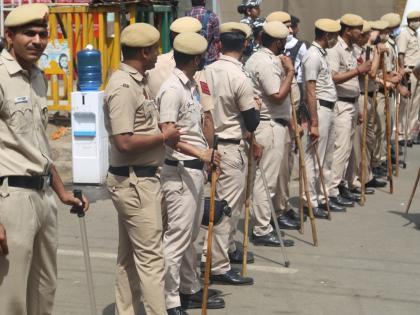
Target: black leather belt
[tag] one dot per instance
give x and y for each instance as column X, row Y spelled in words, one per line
column 140, row 171
column 194, row 164
column 280, row 121
column 348, row 99
column 327, row 104
column 382, row 91
column 370, row 94
column 231, row 141
column 29, row 182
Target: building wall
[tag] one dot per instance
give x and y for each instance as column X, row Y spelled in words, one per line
column 308, row 11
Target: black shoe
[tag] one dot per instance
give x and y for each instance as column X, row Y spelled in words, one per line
column 191, row 301
column 346, row 193
column 231, row 278
column 379, row 172
column 287, row 223
column 319, row 213
column 292, row 214
column 237, row 256
column 358, row 190
column 176, row 311
column 271, row 239
column 333, row 207
column 375, row 183
column 342, row 201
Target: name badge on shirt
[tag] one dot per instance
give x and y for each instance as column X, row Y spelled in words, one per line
column 21, row 99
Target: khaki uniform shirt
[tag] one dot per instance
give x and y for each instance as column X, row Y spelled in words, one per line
column 316, row 68
column 179, row 102
column 267, row 75
column 234, row 95
column 160, row 73
column 361, row 57
column 342, row 58
column 409, row 45
column 392, row 56
column 24, row 147
column 129, row 109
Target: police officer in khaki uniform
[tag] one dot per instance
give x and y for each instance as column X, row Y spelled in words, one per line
column 28, row 211
column 409, row 54
column 321, row 96
column 136, row 152
column 234, row 115
column 166, row 64
column 394, row 21
column 360, row 48
column 281, row 195
column 345, row 71
column 380, row 35
column 272, row 77
column 183, row 175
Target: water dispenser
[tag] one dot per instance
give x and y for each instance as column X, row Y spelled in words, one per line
column 89, row 138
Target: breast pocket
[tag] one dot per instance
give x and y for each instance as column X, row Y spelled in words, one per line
column 20, row 116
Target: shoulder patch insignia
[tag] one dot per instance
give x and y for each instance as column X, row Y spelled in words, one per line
column 205, row 88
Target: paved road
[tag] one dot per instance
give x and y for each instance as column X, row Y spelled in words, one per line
column 367, row 262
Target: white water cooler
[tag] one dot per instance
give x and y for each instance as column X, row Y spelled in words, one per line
column 89, row 138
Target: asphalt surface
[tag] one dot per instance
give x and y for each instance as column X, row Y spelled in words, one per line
column 367, row 261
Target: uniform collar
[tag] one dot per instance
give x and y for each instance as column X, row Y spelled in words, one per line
column 267, row 51
column 343, row 43
column 322, row 50
column 182, row 77
column 133, row 72
column 230, row 59
column 14, row 67
column 411, row 31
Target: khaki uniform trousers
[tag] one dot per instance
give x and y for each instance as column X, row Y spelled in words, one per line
column 370, row 142
column 345, row 123
column 140, row 264
column 282, row 194
column 326, row 141
column 379, row 154
column 412, row 106
column 275, row 139
column 28, row 275
column 231, row 186
column 183, row 190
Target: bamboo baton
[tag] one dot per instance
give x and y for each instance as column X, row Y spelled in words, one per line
column 364, row 134
column 388, row 127
column 248, row 201
column 304, row 175
column 413, row 192
column 321, row 177
column 397, row 130
column 210, row 231
column 301, row 215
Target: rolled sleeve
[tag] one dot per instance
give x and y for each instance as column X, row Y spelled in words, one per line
column 206, row 98
column 402, row 42
column 333, row 59
column 270, row 79
column 169, row 103
column 311, row 68
column 245, row 95
column 122, row 107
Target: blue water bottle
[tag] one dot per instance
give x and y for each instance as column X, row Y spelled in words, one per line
column 89, row 69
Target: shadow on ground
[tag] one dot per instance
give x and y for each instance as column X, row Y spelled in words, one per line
column 412, row 217
column 110, row 310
